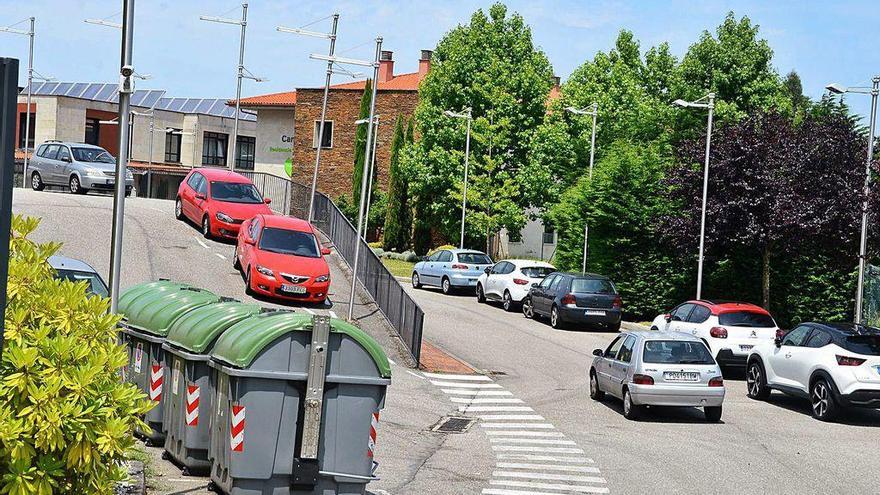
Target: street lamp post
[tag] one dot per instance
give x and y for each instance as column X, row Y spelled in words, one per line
column 874, row 90
column 709, row 104
column 468, row 115
column 371, row 172
column 594, row 112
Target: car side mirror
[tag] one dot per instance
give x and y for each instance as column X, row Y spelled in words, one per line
column 487, row 270
column 534, row 284
column 267, row 200
column 325, row 251
column 423, row 258
column 201, row 196
column 249, row 240
column 598, row 352
column 667, row 317
column 65, row 159
column 778, row 341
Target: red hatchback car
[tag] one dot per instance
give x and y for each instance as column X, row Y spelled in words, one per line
column 281, row 257
column 219, row 201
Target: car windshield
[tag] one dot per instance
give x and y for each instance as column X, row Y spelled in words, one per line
column 676, row 352
column 537, row 271
column 94, row 283
column 289, row 242
column 92, row 155
column 863, row 344
column 592, row 286
column 474, row 258
column 235, row 192
column 746, row 319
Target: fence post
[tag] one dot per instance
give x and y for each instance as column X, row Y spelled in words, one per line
column 8, row 110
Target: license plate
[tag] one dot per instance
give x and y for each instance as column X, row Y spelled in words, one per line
column 746, row 347
column 293, row 289
column 594, row 312
column 681, row 376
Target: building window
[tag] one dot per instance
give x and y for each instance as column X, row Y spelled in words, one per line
column 515, row 237
column 246, row 150
column 22, row 122
column 172, row 145
column 214, row 146
column 93, row 131
column 327, row 138
column 549, row 236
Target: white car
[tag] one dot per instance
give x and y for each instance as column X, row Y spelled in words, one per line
column 509, row 281
column 730, row 329
column 834, row 365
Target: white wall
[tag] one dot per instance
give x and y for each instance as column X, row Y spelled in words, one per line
column 274, row 139
column 531, row 243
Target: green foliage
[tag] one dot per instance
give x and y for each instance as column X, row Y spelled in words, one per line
column 421, row 230
column 66, row 418
column 360, row 144
column 397, row 219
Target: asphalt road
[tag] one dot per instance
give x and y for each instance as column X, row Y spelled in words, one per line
column 760, row 447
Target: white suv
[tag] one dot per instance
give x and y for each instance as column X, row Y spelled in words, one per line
column 729, row 329
column 834, row 365
column 509, row 281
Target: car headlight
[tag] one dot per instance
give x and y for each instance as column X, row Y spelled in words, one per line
column 93, row 171
column 265, row 271
column 128, row 174
column 223, row 217
column 323, row 278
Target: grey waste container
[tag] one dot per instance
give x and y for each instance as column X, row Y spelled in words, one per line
column 296, row 407
column 189, row 393
column 148, row 311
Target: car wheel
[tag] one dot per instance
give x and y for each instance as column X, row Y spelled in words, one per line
column 247, row 282
column 822, row 398
column 630, row 410
column 446, row 286
column 595, row 393
column 756, row 381
column 178, row 209
column 235, row 261
column 416, row 283
column 713, row 414
column 507, row 302
column 655, row 329
column 75, row 186
column 206, row 227
column 37, row 182
column 527, row 309
column 555, row 320
column 481, row 297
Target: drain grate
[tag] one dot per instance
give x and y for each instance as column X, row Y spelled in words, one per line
column 453, row 424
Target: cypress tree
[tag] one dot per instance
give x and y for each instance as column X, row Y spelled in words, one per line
column 360, row 144
column 396, row 229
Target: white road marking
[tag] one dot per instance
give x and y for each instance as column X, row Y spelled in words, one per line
column 540, row 426
column 466, row 378
column 462, row 391
column 532, row 441
column 537, row 450
column 333, row 315
column 495, row 409
column 545, row 458
column 465, row 385
column 551, row 486
column 201, row 243
column 511, row 417
column 309, row 311
column 549, row 476
column 220, row 256
column 485, row 400
column 549, row 467
column 420, row 377
column 502, row 491
column 547, row 434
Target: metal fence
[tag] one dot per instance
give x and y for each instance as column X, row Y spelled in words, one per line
column 273, row 187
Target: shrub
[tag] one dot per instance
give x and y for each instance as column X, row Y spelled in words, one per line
column 66, row 418
column 438, row 248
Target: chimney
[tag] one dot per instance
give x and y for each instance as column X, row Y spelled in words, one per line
column 556, row 80
column 386, row 66
column 425, row 63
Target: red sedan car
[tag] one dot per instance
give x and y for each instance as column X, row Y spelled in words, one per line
column 219, row 201
column 282, row 257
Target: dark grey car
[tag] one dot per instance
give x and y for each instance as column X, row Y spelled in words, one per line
column 581, row 299
column 77, row 166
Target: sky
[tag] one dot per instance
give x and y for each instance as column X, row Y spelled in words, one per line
column 827, row 41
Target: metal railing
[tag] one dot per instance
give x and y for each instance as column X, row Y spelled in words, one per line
column 273, row 187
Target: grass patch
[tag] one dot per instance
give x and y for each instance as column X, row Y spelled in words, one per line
column 399, row 268
column 151, row 473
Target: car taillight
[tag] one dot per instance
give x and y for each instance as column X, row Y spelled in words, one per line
column 520, row 281
column 849, row 361
column 618, row 303
column 716, row 382
column 643, row 380
column 459, row 267
column 568, row 300
column 718, row 332
column 780, row 333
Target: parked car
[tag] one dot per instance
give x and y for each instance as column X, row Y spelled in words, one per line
column 834, row 365
column 730, row 329
column 282, row 257
column 658, row 369
column 575, row 298
column 79, row 271
column 509, row 281
column 219, row 201
column 451, row 269
column 80, row 167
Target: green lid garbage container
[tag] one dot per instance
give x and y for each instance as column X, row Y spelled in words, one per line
column 296, row 407
column 148, row 310
column 189, row 394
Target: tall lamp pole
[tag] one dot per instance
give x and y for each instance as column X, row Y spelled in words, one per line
column 594, row 112
column 467, row 114
column 874, row 90
column 371, row 171
column 708, row 102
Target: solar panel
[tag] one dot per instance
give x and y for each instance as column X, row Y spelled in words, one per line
column 62, row 88
column 190, row 105
column 152, row 97
column 107, row 92
column 205, row 106
column 77, row 89
column 47, row 88
column 91, row 91
column 176, row 104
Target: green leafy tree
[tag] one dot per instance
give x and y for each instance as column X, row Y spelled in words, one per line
column 66, row 418
column 360, row 144
column 492, row 66
column 397, row 220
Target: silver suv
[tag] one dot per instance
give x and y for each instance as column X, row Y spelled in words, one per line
column 78, row 166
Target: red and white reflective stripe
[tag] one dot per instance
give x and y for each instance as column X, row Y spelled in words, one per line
column 156, row 379
column 192, row 405
column 374, row 425
column 236, row 432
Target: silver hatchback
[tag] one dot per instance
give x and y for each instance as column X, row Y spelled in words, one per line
column 79, row 167
column 658, row 369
